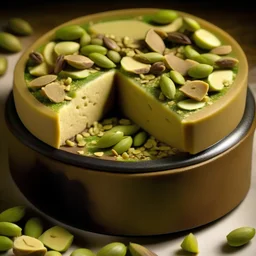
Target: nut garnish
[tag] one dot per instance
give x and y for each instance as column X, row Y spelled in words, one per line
column 54, row 92
column 157, row 68
column 222, row 50
column 226, row 62
column 177, row 64
column 79, row 61
column 154, row 41
column 179, row 38
column 131, row 65
column 60, row 64
column 36, row 57
column 42, row 81
column 195, row 89
column 110, row 43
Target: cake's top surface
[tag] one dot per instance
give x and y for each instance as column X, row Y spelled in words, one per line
column 174, row 57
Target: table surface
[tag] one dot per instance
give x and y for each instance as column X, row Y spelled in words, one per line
column 239, row 22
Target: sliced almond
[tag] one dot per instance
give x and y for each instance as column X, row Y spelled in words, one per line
column 42, row 81
column 131, row 65
column 54, row 92
column 175, row 63
column 154, row 41
column 195, row 89
column 79, row 61
column 222, row 50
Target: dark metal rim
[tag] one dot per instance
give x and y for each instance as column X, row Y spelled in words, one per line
column 24, row 136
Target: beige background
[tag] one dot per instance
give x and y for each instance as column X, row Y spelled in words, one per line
column 211, row 237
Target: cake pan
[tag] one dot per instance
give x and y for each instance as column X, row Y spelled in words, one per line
column 139, row 199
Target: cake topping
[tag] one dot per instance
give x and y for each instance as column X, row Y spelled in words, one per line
column 164, row 16
column 222, row 50
column 205, row 39
column 42, row 81
column 79, row 61
column 220, row 78
column 102, row 60
column 129, row 64
column 54, row 92
column 175, row 63
column 154, row 41
column 149, row 57
column 36, row 58
column 195, row 89
column 49, row 54
column 191, row 104
column 167, row 87
column 226, row 62
column 68, row 33
column 67, row 47
column 179, row 38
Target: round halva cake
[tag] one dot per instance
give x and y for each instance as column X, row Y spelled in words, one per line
column 157, row 81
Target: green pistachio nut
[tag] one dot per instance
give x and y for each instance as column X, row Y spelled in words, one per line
column 140, row 138
column 207, row 58
column 190, row 104
column 164, row 16
column 20, row 27
column 139, row 250
column 101, row 60
column 9, row 42
column 71, row 32
column 53, row 253
column 85, row 39
column 82, row 252
column 177, row 77
column 40, row 70
column 49, row 54
column 113, row 249
column 191, row 24
column 97, row 41
column 149, row 58
column 13, row 214
column 240, row 236
column 127, row 130
column 200, row 71
column 167, row 87
column 205, row 39
column 88, row 49
column 10, row 229
column 33, row 227
column 190, row 52
column 123, row 145
column 5, row 243
column 114, row 56
column 3, row 65
column 66, row 48
column 190, row 244
column 109, row 139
